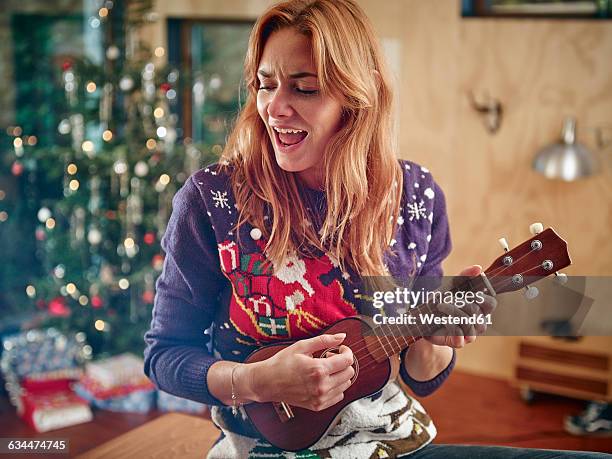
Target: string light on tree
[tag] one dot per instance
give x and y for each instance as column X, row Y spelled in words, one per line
column 71, row 288
column 31, row 291
column 107, row 135
column 43, row 214
column 88, row 147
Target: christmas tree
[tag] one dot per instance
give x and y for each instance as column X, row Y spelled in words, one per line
column 93, row 187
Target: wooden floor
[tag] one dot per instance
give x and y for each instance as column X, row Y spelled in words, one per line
column 467, row 409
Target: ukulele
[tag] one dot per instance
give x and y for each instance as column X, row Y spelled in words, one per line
column 375, row 347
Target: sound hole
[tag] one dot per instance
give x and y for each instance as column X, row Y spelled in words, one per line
column 334, row 350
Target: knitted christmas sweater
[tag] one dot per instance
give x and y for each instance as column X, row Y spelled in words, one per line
column 215, row 281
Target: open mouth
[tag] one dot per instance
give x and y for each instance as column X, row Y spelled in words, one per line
column 289, row 137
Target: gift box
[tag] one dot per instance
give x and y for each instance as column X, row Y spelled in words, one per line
column 137, row 397
column 50, row 410
column 169, row 402
column 38, row 351
column 116, row 371
column 37, row 357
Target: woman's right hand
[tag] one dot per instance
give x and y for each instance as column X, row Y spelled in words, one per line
column 295, row 377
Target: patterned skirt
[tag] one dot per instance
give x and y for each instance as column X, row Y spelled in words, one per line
column 388, row 424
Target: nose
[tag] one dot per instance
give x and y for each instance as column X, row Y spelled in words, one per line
column 280, row 104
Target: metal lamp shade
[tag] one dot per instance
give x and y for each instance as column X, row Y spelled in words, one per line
column 567, row 160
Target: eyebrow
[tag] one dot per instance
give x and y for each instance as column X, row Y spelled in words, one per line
column 293, row 76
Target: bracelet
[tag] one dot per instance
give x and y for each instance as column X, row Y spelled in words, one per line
column 235, row 403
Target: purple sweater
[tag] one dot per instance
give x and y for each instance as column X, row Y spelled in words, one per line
column 213, row 278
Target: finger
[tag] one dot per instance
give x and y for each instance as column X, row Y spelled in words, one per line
column 318, row 343
column 457, row 329
column 468, row 272
column 469, row 339
column 338, row 362
column 456, row 341
column 488, row 305
column 340, row 378
column 471, row 271
column 337, row 398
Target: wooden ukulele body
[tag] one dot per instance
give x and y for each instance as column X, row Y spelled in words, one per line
column 292, row 428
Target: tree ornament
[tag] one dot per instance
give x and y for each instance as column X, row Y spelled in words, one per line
column 17, row 168
column 40, row 234
column 149, row 238
column 96, row 302
column 148, row 297
column 158, row 262
column 58, row 307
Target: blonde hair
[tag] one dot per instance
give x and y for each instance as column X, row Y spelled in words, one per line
column 363, row 179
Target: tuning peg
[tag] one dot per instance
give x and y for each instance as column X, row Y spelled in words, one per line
column 504, row 244
column 531, row 292
column 561, row 278
column 536, row 228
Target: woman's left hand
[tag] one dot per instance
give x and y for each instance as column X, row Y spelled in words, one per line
column 456, row 336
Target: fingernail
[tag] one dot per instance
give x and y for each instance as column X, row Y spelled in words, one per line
column 340, row 335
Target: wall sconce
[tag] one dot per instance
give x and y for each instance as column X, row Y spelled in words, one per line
column 490, row 109
column 566, row 160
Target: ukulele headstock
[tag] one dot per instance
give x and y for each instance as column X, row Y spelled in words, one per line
column 542, row 255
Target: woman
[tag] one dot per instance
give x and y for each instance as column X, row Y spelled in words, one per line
column 270, row 244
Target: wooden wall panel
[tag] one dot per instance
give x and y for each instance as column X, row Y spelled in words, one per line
column 541, row 71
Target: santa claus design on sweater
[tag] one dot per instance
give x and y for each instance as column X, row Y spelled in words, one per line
column 289, row 301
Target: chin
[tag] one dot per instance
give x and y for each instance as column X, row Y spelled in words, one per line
column 289, row 165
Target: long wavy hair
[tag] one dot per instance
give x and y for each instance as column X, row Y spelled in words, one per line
column 363, row 179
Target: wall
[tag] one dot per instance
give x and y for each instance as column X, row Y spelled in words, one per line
column 541, row 70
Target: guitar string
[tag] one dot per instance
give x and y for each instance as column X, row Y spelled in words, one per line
column 492, row 274
column 400, row 346
column 384, row 347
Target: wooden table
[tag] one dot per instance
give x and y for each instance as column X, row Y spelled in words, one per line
column 172, row 435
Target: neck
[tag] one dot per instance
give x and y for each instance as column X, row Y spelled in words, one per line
column 391, row 339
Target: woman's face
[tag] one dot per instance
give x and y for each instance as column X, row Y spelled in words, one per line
column 300, row 119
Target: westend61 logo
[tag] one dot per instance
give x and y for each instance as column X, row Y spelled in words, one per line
column 448, row 303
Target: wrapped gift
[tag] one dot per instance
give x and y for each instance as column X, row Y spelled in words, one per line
column 37, row 351
column 40, row 356
column 137, row 401
column 169, row 402
column 51, row 410
column 136, row 397
column 116, row 371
